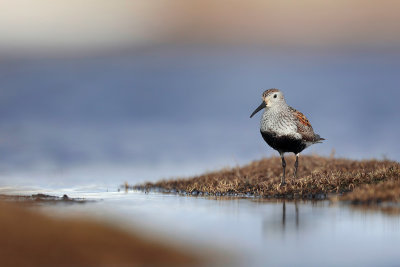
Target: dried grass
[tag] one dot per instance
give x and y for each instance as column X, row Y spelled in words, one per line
column 317, row 177
column 385, row 191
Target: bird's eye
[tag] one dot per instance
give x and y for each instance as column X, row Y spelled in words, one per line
column 275, row 96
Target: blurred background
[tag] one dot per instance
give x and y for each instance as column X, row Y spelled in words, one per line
column 96, row 92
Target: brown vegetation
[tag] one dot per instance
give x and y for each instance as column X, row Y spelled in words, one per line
column 385, row 191
column 29, row 238
column 39, row 198
column 317, row 177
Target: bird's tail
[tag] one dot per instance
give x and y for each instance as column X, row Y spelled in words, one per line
column 318, row 139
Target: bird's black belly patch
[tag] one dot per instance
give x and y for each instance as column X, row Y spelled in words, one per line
column 284, row 143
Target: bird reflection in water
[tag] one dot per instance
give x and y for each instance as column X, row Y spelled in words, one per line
column 284, row 214
column 288, row 221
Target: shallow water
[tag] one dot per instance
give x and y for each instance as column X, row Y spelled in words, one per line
column 84, row 125
column 252, row 231
column 179, row 111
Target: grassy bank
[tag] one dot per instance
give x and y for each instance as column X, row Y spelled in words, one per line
column 318, row 177
column 29, row 238
column 41, row 198
column 385, row 191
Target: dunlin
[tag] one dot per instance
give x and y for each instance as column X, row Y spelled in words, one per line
column 284, row 128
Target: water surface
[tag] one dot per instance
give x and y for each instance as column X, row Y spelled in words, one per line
column 83, row 125
column 160, row 112
column 254, row 232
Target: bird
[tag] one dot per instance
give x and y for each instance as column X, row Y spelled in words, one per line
column 284, row 128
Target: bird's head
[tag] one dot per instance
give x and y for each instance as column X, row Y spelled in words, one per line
column 271, row 98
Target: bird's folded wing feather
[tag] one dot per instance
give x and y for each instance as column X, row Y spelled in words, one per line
column 303, row 125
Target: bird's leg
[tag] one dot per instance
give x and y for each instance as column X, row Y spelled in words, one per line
column 296, row 165
column 284, row 169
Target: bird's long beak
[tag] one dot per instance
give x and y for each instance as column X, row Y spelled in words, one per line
column 260, row 107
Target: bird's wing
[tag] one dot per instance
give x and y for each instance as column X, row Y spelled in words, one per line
column 303, row 125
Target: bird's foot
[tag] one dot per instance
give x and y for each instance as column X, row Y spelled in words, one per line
column 282, row 184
